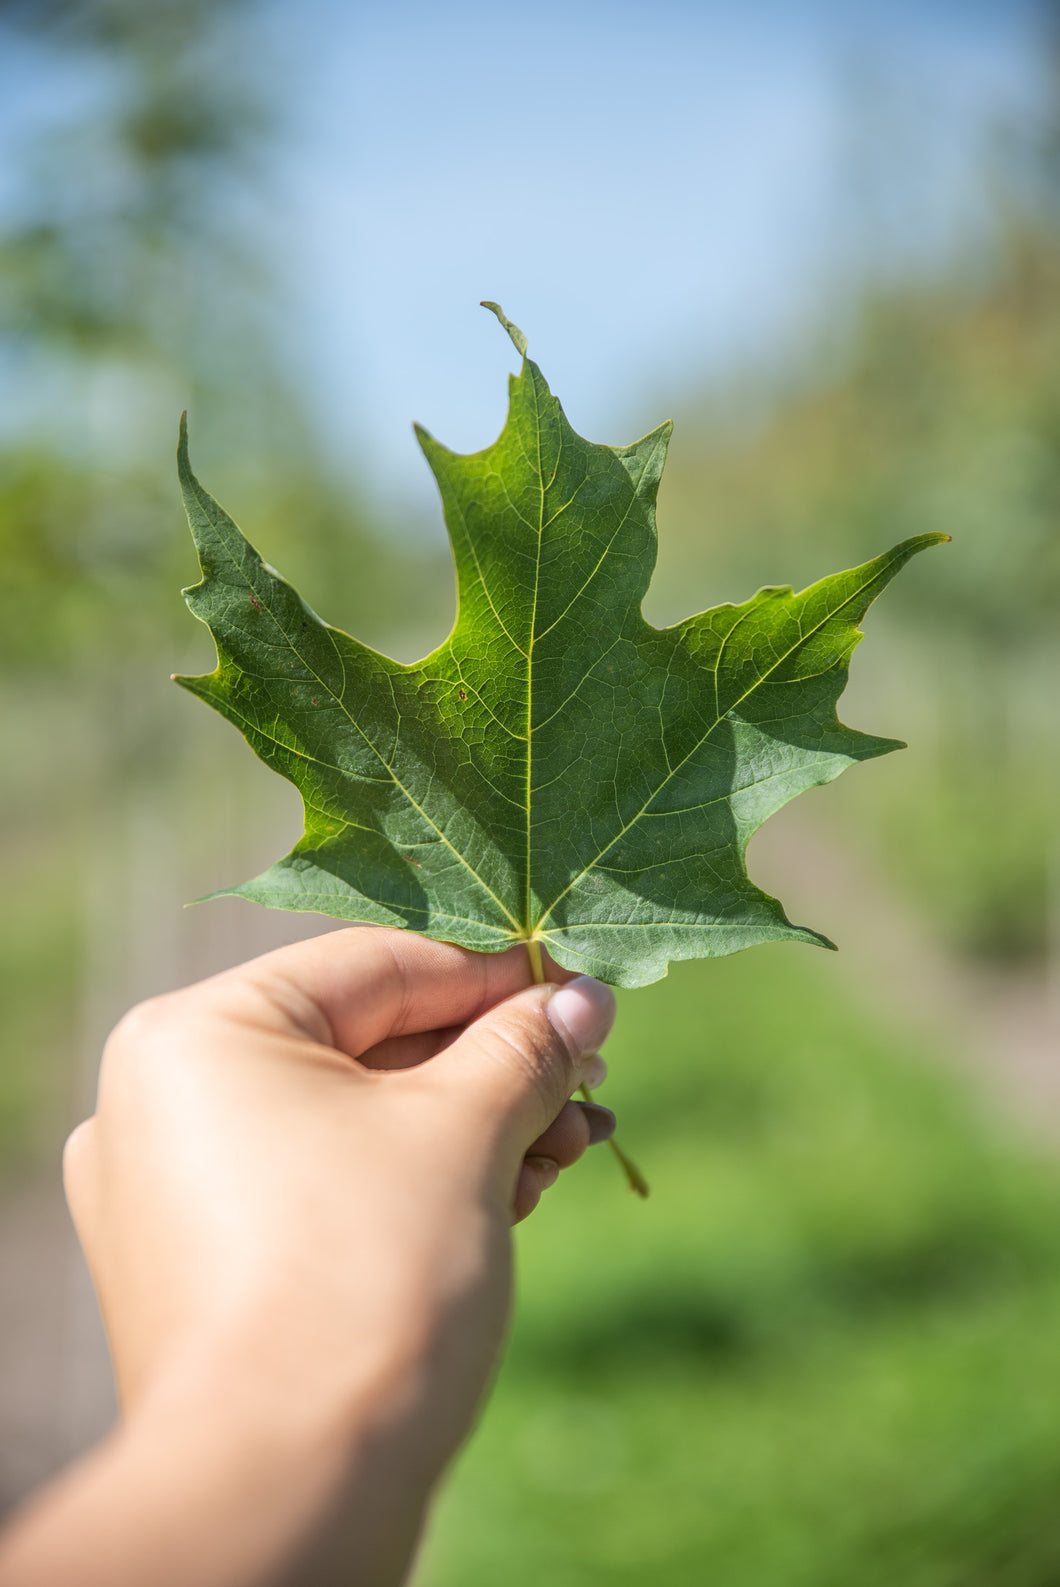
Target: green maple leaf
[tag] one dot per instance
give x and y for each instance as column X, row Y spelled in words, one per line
column 558, row 772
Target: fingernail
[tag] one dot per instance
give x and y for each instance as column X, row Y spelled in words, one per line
column 583, row 1012
column 596, row 1073
column 546, row 1169
column 601, row 1122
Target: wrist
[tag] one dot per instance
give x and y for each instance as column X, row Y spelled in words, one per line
column 272, row 1390
column 257, row 1464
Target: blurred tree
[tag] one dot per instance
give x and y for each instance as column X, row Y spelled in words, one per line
column 114, row 221
column 125, row 199
column 137, row 240
column 136, row 279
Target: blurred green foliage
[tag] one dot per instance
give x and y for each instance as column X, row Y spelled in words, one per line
column 822, row 1355
column 819, row 1355
column 133, row 283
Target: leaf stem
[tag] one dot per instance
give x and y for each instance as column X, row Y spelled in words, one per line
column 634, row 1178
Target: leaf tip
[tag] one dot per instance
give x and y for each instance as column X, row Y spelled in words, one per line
column 183, row 461
column 514, row 332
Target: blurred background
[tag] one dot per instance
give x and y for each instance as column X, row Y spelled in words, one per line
column 826, row 240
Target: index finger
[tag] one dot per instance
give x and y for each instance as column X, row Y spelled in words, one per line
column 368, row 983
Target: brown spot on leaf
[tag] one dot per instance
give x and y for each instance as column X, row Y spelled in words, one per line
column 255, row 602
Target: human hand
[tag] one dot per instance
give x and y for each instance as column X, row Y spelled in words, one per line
column 300, row 1177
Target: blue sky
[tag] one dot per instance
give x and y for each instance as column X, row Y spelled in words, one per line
column 654, row 195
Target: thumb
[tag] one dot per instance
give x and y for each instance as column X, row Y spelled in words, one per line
column 518, row 1064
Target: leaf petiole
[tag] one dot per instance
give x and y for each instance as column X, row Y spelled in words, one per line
column 634, row 1178
column 537, row 968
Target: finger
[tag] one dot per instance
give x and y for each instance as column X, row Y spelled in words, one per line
column 536, row 1175
column 357, row 987
column 516, row 1066
column 408, row 1052
column 601, row 1122
column 596, row 1073
column 577, row 1126
column 565, row 1139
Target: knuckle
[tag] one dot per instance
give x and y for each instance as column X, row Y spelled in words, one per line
column 143, row 1020
column 137, row 1032
column 77, row 1155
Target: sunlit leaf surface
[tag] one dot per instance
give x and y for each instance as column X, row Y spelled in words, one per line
column 558, row 771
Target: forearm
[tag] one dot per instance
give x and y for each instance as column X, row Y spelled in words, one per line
column 215, row 1483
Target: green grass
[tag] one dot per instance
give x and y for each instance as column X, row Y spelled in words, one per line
column 822, row 1355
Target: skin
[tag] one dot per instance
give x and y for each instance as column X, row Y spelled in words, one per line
column 295, row 1198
